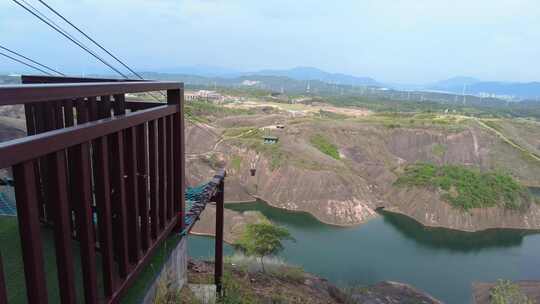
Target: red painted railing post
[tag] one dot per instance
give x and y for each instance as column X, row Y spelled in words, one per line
column 29, row 227
column 3, row 291
column 176, row 97
column 218, row 259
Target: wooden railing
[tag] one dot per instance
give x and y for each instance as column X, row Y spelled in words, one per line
column 112, row 180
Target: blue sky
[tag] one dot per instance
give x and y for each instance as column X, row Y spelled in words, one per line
column 408, row 41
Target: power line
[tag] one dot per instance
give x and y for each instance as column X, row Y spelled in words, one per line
column 86, row 48
column 33, row 61
column 65, row 34
column 26, row 64
column 37, row 13
column 95, row 42
column 90, row 38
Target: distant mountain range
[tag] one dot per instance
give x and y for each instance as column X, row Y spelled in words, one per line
column 472, row 86
column 310, row 73
column 455, row 85
column 263, row 82
column 296, row 79
column 202, row 70
column 297, row 73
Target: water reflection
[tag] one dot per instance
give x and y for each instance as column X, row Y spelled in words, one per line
column 441, row 238
column 395, row 247
column 434, row 238
column 294, row 219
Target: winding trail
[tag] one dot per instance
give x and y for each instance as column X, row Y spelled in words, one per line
column 214, row 148
column 507, row 140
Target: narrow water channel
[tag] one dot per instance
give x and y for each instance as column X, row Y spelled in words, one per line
column 393, row 247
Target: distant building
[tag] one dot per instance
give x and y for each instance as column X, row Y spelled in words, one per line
column 204, row 95
column 191, row 96
column 250, row 82
column 270, row 140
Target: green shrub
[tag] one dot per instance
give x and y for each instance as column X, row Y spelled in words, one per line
column 393, row 126
column 277, row 158
column 234, row 292
column 167, row 293
column 505, row 292
column 439, row 150
column 322, row 144
column 236, row 162
column 291, row 273
column 263, row 239
column 467, row 188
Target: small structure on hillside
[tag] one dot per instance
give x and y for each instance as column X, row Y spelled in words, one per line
column 253, row 165
column 270, row 140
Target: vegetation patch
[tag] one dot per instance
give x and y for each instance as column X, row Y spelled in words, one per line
column 467, row 188
column 277, row 157
column 236, row 162
column 439, row 150
column 263, row 239
column 236, row 291
column 332, row 115
column 273, row 152
column 506, row 292
column 493, row 124
column 324, row 145
column 252, row 138
column 213, row 161
column 243, row 133
column 199, row 111
column 394, row 120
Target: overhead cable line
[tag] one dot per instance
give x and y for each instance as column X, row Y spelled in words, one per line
column 38, row 14
column 26, row 64
column 90, row 38
column 33, row 61
column 58, row 29
column 95, row 42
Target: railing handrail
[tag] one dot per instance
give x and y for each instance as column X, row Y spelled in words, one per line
column 18, row 150
column 29, row 93
column 28, row 79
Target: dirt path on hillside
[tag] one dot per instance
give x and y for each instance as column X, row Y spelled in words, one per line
column 507, row 140
column 214, row 148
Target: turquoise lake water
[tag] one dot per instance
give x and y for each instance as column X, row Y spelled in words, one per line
column 394, row 247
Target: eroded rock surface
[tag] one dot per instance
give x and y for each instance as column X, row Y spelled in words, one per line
column 389, row 292
column 349, row 190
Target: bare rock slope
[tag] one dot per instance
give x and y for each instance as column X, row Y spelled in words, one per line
column 295, row 175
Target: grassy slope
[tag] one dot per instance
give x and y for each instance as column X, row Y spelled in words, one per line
column 245, row 285
column 320, row 142
column 203, row 111
column 467, row 188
